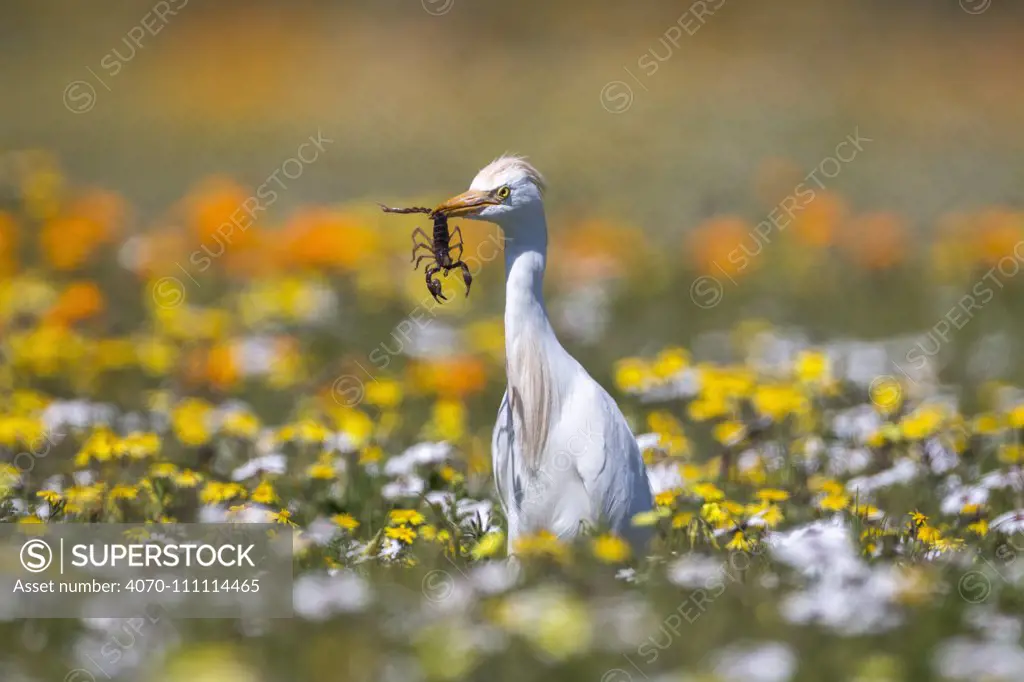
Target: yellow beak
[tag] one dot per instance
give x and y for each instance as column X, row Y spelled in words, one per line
column 466, row 203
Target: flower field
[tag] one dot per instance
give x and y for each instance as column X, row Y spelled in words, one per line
column 839, row 491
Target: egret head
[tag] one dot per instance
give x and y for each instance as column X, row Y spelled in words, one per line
column 504, row 189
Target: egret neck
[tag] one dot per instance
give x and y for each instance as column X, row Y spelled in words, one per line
column 531, row 349
column 526, row 248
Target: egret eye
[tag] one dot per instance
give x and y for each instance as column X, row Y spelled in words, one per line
column 504, row 192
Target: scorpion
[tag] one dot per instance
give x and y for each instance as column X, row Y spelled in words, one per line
column 439, row 250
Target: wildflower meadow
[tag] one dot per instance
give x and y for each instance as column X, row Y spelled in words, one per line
column 819, row 353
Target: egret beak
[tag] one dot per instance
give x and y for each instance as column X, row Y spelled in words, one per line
column 467, row 203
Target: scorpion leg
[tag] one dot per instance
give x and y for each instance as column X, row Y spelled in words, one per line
column 433, row 286
column 416, row 247
column 415, row 244
column 466, row 276
column 417, row 265
column 458, row 244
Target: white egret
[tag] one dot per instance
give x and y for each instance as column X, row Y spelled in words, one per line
column 564, row 457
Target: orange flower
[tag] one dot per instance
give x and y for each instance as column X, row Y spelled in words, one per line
column 876, row 241
column 70, row 240
column 996, row 233
column 80, row 301
column 455, row 377
column 723, row 243
column 325, row 238
column 599, row 248
column 222, row 371
column 216, row 202
column 820, row 219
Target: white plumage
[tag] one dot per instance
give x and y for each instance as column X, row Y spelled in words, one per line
column 564, row 457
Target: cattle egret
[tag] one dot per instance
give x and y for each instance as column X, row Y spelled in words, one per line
column 564, row 457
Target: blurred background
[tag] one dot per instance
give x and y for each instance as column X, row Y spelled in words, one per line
column 664, row 147
column 136, row 138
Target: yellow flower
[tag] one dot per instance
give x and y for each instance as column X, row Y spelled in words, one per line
column 732, row 507
column 123, row 492
column 949, row 544
column 156, row 356
column 918, row 518
column 20, row 431
column 665, row 499
column 780, row 401
column 355, row 424
column 708, row 492
column 403, row 534
column 402, row 516
column 610, row 549
column 240, row 424
column 488, row 337
column 1011, row 453
column 82, row 498
column 772, row 495
column 489, row 545
column 451, row 475
column 28, row 403
column 284, row 517
column 675, row 445
column 1016, row 417
column 541, row 544
column 216, row 491
column 979, row 528
column 886, row 394
column 138, row 445
column 812, row 367
column 52, row 497
column 729, row 433
column 448, row 421
column 887, row 433
column 370, row 454
column 712, row 405
column 987, row 424
column 346, row 521
column 427, row 531
column 323, row 469
column 682, row 519
column 631, row 375
column 826, row 485
column 306, row 431
column 670, row 362
column 714, row 513
column 264, row 493
column 190, row 421
column 834, row 502
column 384, row 393
column 739, row 543
column 921, row 423
column 929, row 534
column 866, row 511
column 98, row 446
column 187, row 479
column 649, row 518
column 772, row 516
